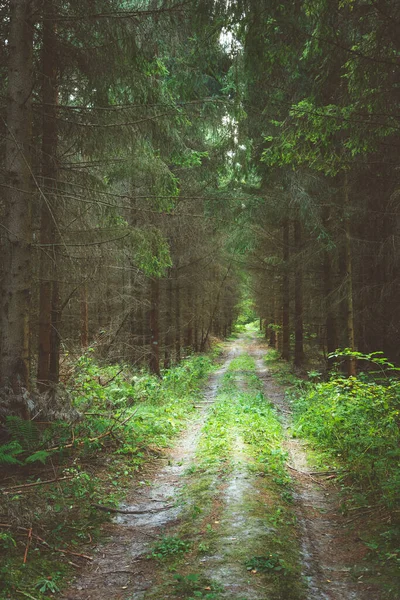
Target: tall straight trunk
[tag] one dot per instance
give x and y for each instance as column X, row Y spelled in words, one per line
column 330, row 315
column 48, row 200
column 270, row 331
column 55, row 337
column 189, row 324
column 195, row 327
column 298, row 296
column 177, row 319
column 168, row 323
column 351, row 363
column 84, row 316
column 154, row 314
column 17, row 196
column 286, row 293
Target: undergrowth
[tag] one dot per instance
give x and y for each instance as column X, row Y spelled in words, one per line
column 125, row 418
column 354, row 423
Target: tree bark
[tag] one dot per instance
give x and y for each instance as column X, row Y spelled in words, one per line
column 168, row 324
column 17, row 225
column 48, row 200
column 330, row 316
column 155, row 326
column 84, row 316
column 177, row 319
column 298, row 297
column 286, row 293
column 351, row 363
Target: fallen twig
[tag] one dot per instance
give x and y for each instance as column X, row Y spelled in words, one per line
column 28, row 543
column 26, row 594
column 304, row 473
column 37, row 537
column 29, row 485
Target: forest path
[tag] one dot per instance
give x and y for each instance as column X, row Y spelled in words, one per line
column 204, row 523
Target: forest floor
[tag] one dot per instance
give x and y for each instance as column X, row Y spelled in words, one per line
column 234, row 510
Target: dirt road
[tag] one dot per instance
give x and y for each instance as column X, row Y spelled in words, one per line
column 205, row 522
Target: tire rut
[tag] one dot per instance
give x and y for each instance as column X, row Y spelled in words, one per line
column 120, row 564
column 329, row 550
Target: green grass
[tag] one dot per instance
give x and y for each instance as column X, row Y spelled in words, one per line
column 241, row 412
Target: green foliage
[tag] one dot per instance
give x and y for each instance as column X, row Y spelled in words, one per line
column 194, row 586
column 271, row 562
column 142, row 412
column 169, row 547
column 9, row 453
column 358, row 422
column 47, row 585
column 7, row 541
column 23, row 431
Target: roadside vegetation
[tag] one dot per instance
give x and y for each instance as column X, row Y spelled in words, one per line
column 57, row 475
column 352, row 426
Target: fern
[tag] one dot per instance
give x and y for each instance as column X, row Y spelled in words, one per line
column 40, row 455
column 9, row 453
column 24, row 432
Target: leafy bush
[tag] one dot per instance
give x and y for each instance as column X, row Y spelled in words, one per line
column 358, row 421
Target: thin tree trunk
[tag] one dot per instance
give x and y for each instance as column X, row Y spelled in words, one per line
column 49, row 176
column 177, row 320
column 84, row 317
column 155, row 326
column 298, row 297
column 55, row 337
column 330, row 316
column 168, row 324
column 189, row 324
column 351, row 363
column 17, row 224
column 286, row 293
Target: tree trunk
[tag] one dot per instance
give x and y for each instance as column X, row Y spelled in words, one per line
column 17, row 225
column 55, row 337
column 168, row 324
column 286, row 294
column 330, row 316
column 154, row 326
column 48, row 200
column 298, row 297
column 351, row 363
column 189, row 316
column 177, row 320
column 84, row 317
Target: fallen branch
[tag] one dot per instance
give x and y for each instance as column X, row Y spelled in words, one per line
column 28, row 543
column 323, row 473
column 29, row 485
column 37, row 537
column 26, row 594
column 304, row 473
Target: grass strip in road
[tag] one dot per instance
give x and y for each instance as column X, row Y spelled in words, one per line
column 239, row 525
